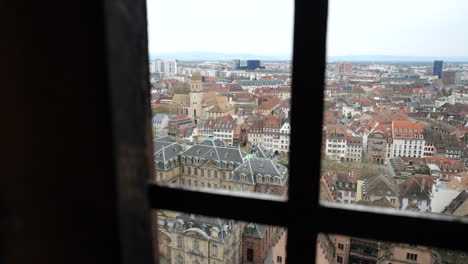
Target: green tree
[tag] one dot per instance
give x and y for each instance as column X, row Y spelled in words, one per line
column 162, row 109
column 248, row 107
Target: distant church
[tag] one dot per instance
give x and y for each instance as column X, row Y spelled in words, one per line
column 200, row 105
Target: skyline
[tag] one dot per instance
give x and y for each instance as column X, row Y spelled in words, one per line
column 204, row 55
column 244, row 27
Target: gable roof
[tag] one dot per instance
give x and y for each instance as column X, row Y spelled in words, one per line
column 417, row 187
column 459, row 205
column 381, row 185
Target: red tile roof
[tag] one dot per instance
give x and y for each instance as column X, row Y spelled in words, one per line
column 407, row 130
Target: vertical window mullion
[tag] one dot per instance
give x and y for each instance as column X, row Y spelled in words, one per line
column 310, row 18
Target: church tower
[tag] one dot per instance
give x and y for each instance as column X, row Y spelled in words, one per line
column 196, row 97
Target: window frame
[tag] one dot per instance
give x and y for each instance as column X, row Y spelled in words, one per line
column 127, row 48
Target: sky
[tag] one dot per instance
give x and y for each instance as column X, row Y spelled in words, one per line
column 355, row 27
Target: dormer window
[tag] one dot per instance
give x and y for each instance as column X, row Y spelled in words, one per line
column 259, row 178
column 267, row 179
column 243, row 177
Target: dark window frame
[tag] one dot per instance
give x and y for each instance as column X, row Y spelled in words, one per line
column 128, row 75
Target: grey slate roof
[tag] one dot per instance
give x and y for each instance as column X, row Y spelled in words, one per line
column 254, row 166
column 214, row 150
column 262, row 152
column 166, row 153
column 158, row 118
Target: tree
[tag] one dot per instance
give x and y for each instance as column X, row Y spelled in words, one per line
column 162, row 109
column 249, row 107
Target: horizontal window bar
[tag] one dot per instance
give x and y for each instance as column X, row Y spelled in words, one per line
column 436, row 230
column 360, row 221
column 215, row 203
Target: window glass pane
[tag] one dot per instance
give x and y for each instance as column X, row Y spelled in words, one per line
column 332, row 248
column 220, row 94
column 394, row 133
column 189, row 238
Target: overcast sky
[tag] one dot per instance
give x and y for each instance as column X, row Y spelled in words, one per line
column 356, row 27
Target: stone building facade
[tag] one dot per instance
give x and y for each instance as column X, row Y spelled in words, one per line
column 200, row 240
column 199, row 104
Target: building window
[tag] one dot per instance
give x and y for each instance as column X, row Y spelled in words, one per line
column 215, row 250
column 196, row 246
column 279, row 259
column 339, row 259
column 180, row 259
column 411, row 256
column 250, row 254
column 340, row 246
column 179, row 242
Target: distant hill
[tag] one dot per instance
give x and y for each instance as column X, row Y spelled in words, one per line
column 215, row 56
column 397, row 58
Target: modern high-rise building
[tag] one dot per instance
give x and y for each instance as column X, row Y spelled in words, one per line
column 437, row 70
column 168, row 67
column 253, row 64
column 235, row 64
column 152, row 66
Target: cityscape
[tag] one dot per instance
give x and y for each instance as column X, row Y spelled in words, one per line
column 394, row 136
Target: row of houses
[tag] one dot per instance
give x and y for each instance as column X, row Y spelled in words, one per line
column 383, row 141
column 420, row 192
